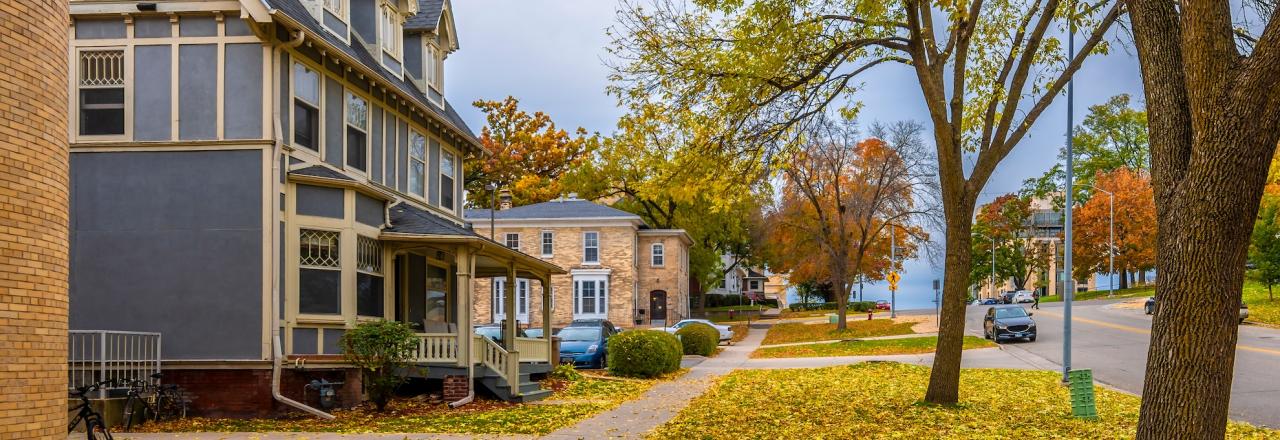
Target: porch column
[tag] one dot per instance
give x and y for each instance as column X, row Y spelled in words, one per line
column 465, row 261
column 552, row 356
column 509, row 305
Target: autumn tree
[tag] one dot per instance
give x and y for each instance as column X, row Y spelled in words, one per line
column 758, row 73
column 1113, row 136
column 1135, row 226
column 1213, row 115
column 1264, row 246
column 1004, row 224
column 843, row 202
column 525, row 153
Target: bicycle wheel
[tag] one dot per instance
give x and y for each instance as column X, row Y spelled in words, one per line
column 130, row 411
column 170, row 405
column 94, row 429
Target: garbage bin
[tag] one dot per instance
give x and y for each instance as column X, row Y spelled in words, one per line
column 832, row 319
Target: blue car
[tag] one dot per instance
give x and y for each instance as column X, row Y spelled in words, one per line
column 585, row 343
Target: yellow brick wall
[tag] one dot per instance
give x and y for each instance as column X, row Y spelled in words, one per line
column 617, row 253
column 672, row 277
column 33, row 219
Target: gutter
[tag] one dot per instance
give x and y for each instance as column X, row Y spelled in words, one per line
column 276, row 350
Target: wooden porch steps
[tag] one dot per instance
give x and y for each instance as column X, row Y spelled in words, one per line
column 530, row 390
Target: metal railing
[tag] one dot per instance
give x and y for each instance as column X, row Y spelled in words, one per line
column 99, row 355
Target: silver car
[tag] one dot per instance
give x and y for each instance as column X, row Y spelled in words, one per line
column 726, row 333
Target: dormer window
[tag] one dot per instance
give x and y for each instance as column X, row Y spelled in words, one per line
column 334, row 16
column 337, row 7
column 390, row 35
column 435, row 67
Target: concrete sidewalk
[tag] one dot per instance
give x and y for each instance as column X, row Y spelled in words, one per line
column 634, row 419
column 978, row 358
column 832, row 341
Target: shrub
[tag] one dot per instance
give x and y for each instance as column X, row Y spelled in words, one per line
column 644, row 353
column 699, row 339
column 382, row 350
column 566, row 372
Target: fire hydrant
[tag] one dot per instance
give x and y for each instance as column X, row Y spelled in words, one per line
column 869, row 312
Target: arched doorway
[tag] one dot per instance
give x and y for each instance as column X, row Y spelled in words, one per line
column 658, row 308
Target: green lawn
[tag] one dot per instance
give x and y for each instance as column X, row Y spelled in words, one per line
column 1132, row 292
column 800, row 332
column 882, row 400
column 876, row 347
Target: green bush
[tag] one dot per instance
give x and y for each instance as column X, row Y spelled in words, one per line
column 644, row 353
column 565, row 372
column 382, row 350
column 699, row 339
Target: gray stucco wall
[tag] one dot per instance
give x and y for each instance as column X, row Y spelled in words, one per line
column 319, row 201
column 236, row 27
column 96, row 28
column 286, row 101
column 433, row 173
column 332, row 337
column 152, row 65
column 375, row 171
column 369, row 210
column 402, row 155
column 170, row 242
column 333, row 123
column 413, row 55
column 198, row 91
column 242, row 100
column 152, row 27
column 197, row 26
column 304, row 341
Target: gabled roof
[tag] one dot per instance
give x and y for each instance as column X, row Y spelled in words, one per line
column 294, row 10
column 409, row 219
column 751, row 273
column 320, row 171
column 556, row 209
column 428, row 16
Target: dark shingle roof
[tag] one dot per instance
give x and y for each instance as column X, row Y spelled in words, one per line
column 553, row 209
column 751, row 273
column 295, row 10
column 409, row 219
column 428, row 16
column 320, row 171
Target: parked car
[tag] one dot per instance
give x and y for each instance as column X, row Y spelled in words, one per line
column 585, row 342
column 533, row 332
column 1008, row 322
column 1006, row 297
column 726, row 333
column 1150, row 308
column 494, row 331
column 990, row 302
column 882, row 305
column 1023, row 297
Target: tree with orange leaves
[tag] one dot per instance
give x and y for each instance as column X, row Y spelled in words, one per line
column 1002, row 224
column 526, row 153
column 1135, row 226
column 841, row 199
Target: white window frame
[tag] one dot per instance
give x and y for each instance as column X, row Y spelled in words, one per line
column 363, row 267
column 434, row 66
column 421, row 190
column 499, row 296
column 318, row 152
column 343, row 13
column 127, row 60
column 506, row 240
column 753, row 285
column 548, row 239
column 600, row 286
column 389, row 17
column 346, row 123
column 657, row 255
column 585, row 246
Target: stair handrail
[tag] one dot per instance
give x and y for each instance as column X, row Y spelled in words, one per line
column 493, row 356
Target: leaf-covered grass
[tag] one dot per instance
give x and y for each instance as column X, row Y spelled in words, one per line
column 744, row 307
column 739, row 332
column 1132, row 292
column 799, row 332
column 1261, row 308
column 877, row 347
column 882, row 400
column 571, row 402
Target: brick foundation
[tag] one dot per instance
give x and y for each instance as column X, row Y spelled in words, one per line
column 247, row 392
column 455, row 388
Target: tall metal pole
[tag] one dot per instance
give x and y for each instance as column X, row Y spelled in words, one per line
column 893, row 257
column 1111, row 265
column 992, row 291
column 1069, row 290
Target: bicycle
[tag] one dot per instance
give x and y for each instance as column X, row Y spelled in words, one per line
column 94, row 426
column 162, row 402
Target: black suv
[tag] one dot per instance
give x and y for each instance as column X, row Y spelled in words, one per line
column 1008, row 322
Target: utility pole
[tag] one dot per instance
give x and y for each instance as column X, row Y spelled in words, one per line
column 1069, row 290
column 992, row 290
column 893, row 291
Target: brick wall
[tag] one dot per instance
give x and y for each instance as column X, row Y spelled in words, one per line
column 33, row 219
column 672, row 277
column 455, row 388
column 247, row 392
column 617, row 253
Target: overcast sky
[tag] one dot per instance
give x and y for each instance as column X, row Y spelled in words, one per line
column 550, row 54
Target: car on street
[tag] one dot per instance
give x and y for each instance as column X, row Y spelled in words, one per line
column 1007, row 297
column 726, row 333
column 1150, row 308
column 882, row 305
column 990, row 302
column 1008, row 322
column 1023, row 297
column 533, row 333
column 585, row 343
column 494, row 331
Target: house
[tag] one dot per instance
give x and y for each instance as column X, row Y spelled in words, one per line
column 250, row 179
column 740, row 279
column 777, row 288
column 618, row 268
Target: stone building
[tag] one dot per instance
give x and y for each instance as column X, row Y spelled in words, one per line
column 618, row 268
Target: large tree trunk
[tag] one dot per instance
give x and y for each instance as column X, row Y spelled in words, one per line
column 1124, row 278
column 944, row 381
column 841, row 286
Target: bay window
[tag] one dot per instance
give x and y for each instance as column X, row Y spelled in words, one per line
column 369, row 278
column 319, row 272
column 590, row 297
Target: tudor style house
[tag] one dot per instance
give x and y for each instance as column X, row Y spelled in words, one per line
column 618, row 268
column 252, row 178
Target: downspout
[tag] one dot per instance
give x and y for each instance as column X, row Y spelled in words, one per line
column 276, row 351
column 471, row 364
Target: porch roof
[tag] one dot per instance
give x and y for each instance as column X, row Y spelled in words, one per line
column 412, row 224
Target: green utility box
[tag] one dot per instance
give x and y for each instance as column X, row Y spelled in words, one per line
column 1083, row 405
column 832, row 319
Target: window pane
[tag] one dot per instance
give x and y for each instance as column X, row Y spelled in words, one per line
column 415, row 177
column 319, row 249
column 368, row 295
column 588, row 297
column 305, row 126
column 437, row 292
column 446, row 164
column 547, row 243
column 102, row 111
column 356, row 148
column 446, row 193
column 357, row 111
column 592, row 255
column 417, row 146
column 319, row 291
column 306, row 84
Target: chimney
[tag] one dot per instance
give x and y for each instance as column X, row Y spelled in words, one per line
column 573, row 196
column 504, row 200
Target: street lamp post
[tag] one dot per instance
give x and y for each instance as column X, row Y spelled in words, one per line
column 1069, row 291
column 893, row 257
column 991, row 290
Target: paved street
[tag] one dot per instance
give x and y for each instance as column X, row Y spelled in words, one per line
column 1112, row 340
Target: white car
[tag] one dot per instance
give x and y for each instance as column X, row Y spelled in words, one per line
column 726, row 334
column 1023, row 296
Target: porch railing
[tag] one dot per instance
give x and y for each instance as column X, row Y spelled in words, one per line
column 437, row 347
column 99, row 355
column 491, row 355
column 532, row 349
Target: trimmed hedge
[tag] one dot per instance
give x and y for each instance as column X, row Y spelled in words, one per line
column 699, row 339
column 714, row 300
column 644, row 353
column 856, row 306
